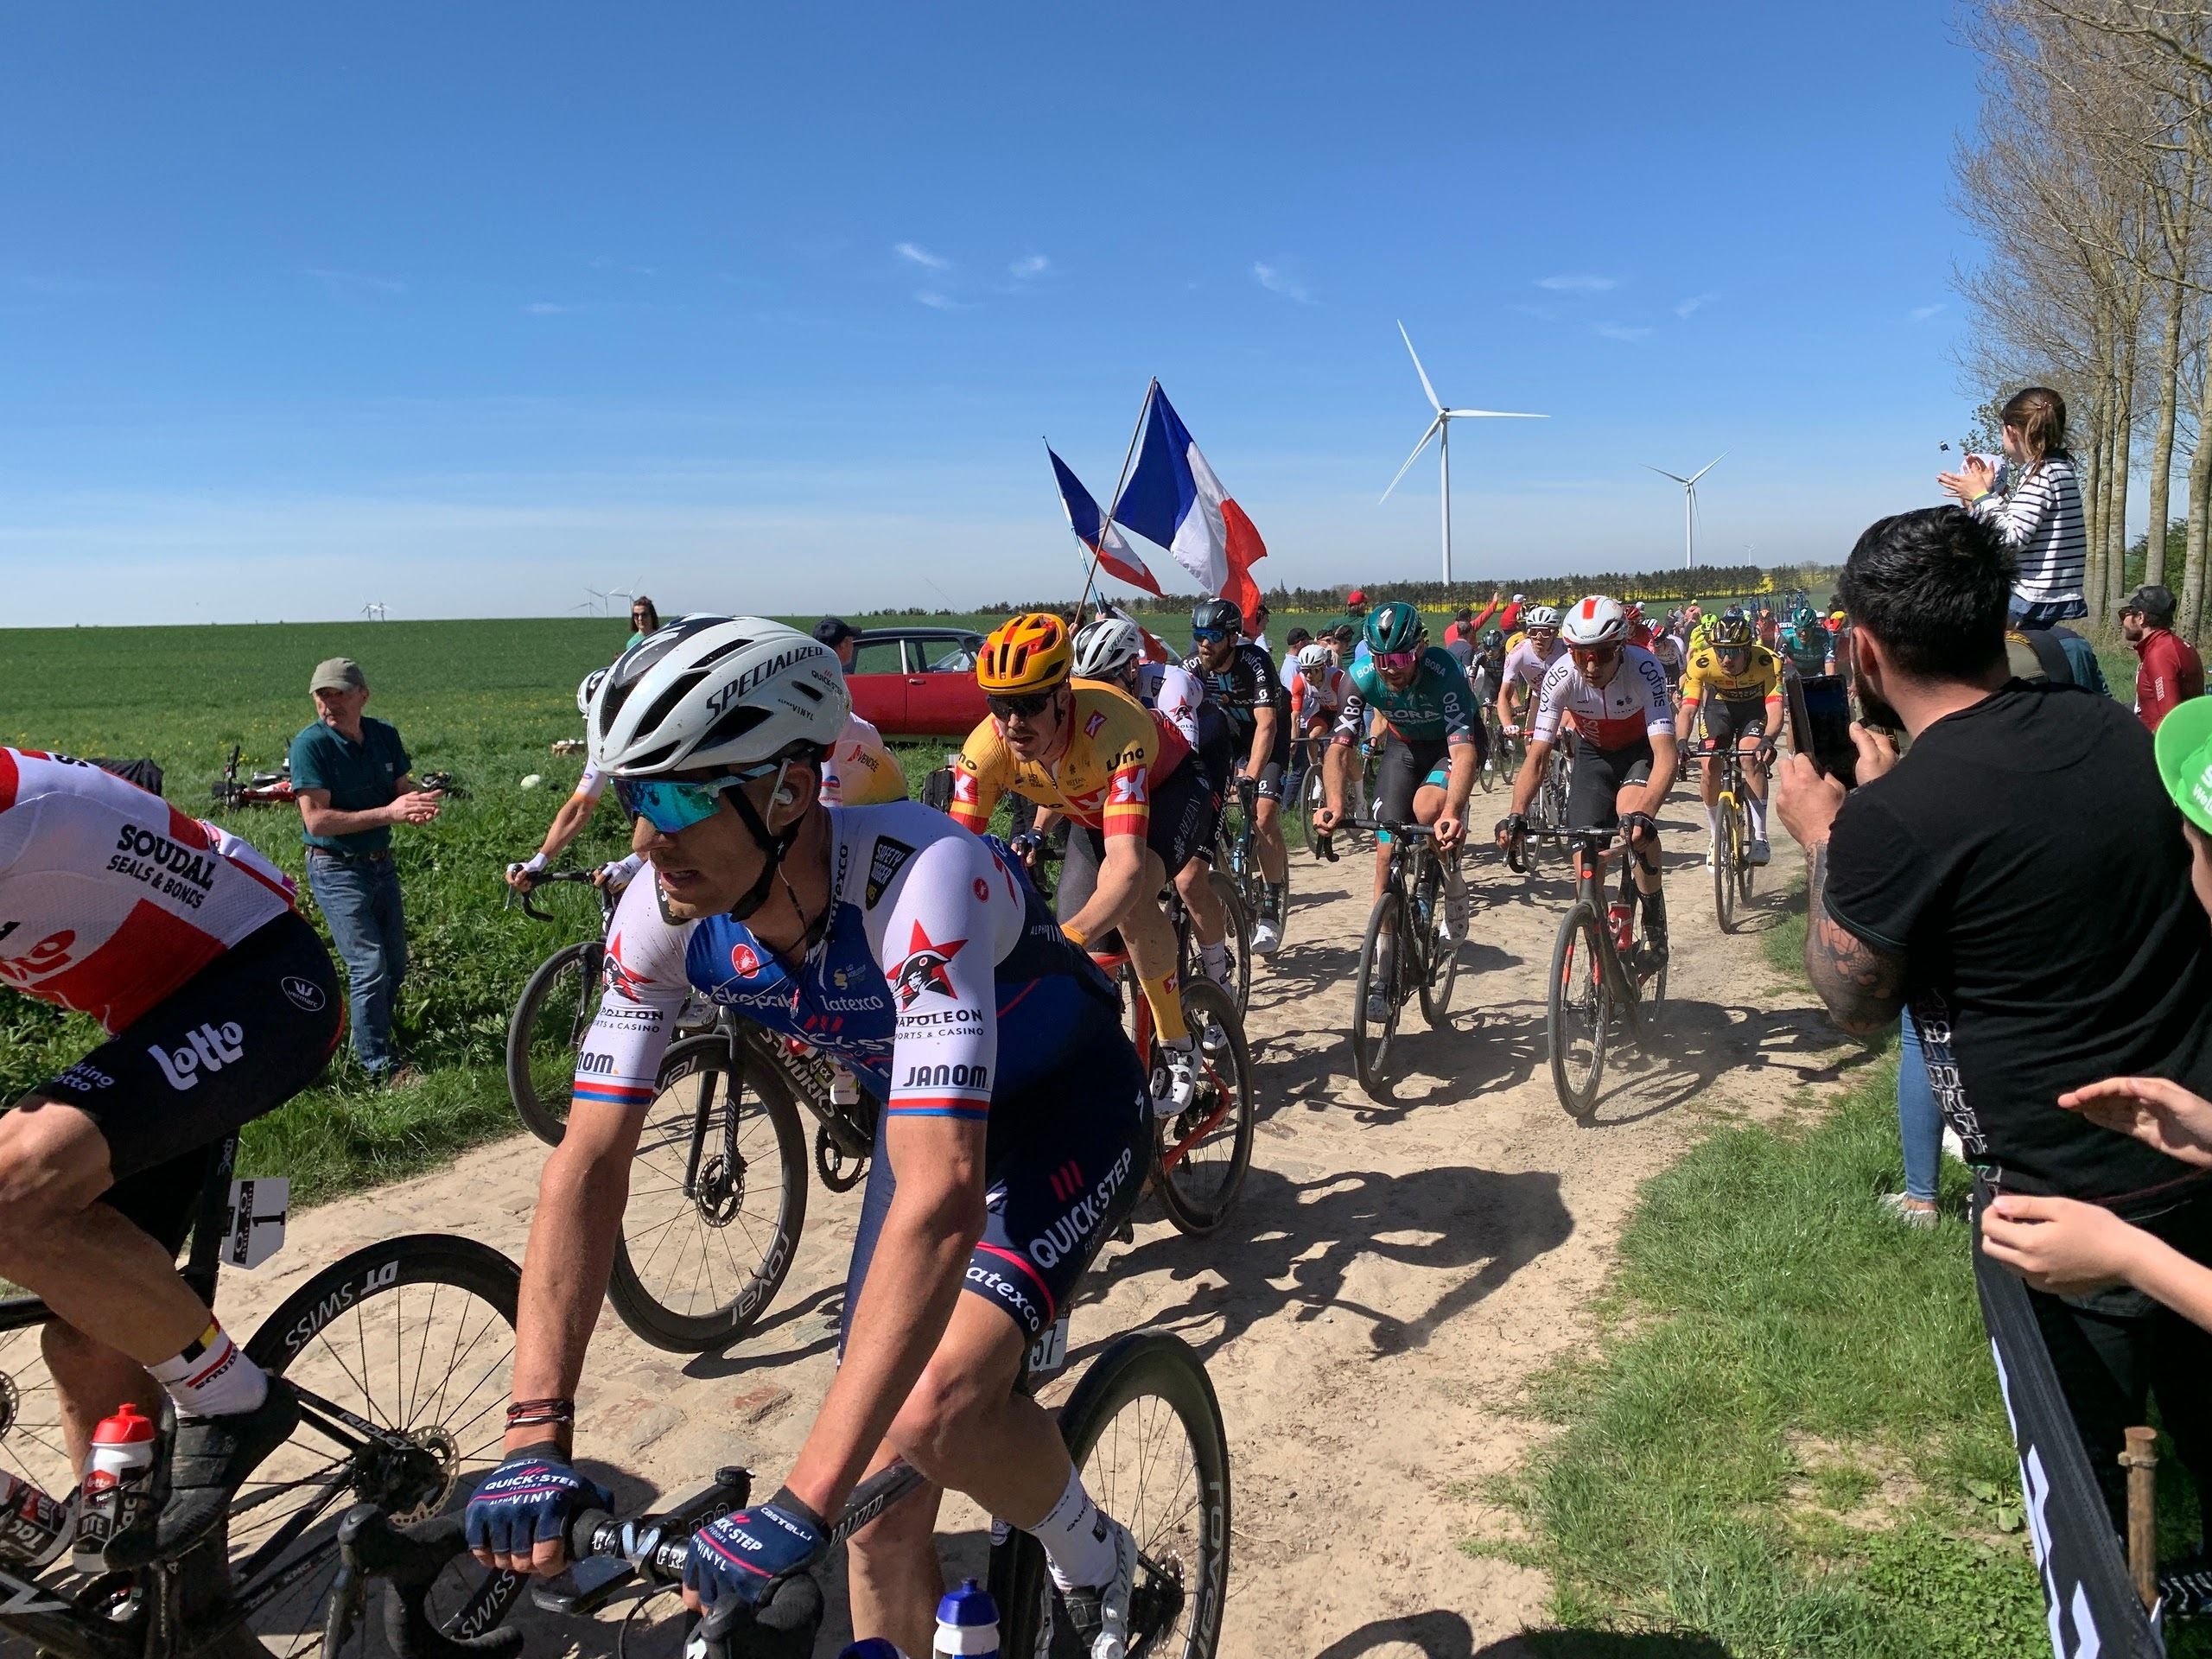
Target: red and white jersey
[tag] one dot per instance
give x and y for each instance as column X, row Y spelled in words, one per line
column 1312, row 697
column 1632, row 705
column 109, row 898
column 1526, row 666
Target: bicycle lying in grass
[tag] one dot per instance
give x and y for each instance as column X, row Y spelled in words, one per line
column 1409, row 948
column 414, row 1335
column 1141, row 1424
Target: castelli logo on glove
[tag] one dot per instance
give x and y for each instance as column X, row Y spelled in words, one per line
column 208, row 1049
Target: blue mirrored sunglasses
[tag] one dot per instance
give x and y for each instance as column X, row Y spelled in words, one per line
column 672, row 805
column 1208, row 636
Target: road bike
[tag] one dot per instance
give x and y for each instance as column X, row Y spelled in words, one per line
column 1409, row 950
column 718, row 1183
column 400, row 1353
column 1313, row 789
column 1143, row 1425
column 1236, row 933
column 1548, row 811
column 1498, row 750
column 1607, row 974
column 1731, row 853
column 1236, row 854
column 1199, row 1154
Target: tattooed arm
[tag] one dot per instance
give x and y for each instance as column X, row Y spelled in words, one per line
column 1862, row 985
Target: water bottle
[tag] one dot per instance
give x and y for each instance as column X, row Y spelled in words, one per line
column 1624, row 923
column 118, row 1481
column 874, row 1648
column 967, row 1624
column 30, row 1522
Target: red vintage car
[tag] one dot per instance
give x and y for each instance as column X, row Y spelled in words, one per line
column 918, row 681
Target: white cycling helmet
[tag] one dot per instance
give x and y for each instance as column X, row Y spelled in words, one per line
column 1313, row 657
column 1104, row 648
column 583, row 691
column 1596, row 620
column 715, row 691
column 1539, row 616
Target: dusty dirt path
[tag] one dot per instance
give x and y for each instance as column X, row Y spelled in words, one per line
column 1393, row 1274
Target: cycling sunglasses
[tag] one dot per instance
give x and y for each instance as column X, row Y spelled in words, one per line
column 1211, row 636
column 1027, row 705
column 1594, row 655
column 673, row 805
column 1396, row 659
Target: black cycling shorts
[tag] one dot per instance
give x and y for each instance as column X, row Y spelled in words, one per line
column 1063, row 1167
column 1592, row 794
column 1408, row 766
column 1185, row 810
column 1725, row 721
column 238, row 1040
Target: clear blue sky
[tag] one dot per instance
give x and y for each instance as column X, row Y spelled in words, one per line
column 465, row 308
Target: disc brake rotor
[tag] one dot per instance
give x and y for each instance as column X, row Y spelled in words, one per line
column 720, row 1190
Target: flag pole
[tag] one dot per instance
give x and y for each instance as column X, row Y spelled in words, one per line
column 1144, row 409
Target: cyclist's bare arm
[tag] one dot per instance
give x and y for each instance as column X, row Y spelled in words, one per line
column 1666, row 756
column 1263, row 738
column 1459, row 784
column 568, row 823
column 1120, row 888
column 320, row 818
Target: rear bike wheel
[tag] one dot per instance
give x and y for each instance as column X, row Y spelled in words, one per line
column 717, row 1198
column 1727, row 846
column 416, row 1335
column 1236, row 929
column 1201, row 1155
column 1146, row 1433
column 1578, row 1009
column 1745, row 869
column 1439, row 952
column 544, row 1033
column 1382, row 970
column 1312, row 796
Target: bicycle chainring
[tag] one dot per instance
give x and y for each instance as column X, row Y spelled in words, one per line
column 720, row 1190
column 837, row 1172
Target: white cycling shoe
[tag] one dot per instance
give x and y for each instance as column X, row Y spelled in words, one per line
column 1100, row 1618
column 1265, row 936
column 1222, row 971
column 1174, row 1081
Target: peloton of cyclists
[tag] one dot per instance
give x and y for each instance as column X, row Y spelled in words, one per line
column 1429, row 765
column 1240, row 678
column 1615, row 696
column 1736, row 685
column 1006, row 1150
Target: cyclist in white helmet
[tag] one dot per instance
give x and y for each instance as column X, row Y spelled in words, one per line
column 1615, row 696
column 1006, row 1153
column 1112, row 650
column 575, row 812
column 1525, row 667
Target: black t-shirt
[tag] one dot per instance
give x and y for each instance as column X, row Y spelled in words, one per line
column 2026, row 861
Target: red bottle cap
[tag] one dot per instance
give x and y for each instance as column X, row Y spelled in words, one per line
column 127, row 1427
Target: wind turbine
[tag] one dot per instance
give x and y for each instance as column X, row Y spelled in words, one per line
column 1689, row 504
column 1440, row 429
column 374, row 611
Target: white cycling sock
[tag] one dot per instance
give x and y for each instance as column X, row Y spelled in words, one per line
column 1078, row 1539
column 1216, row 956
column 1712, row 820
column 1758, row 815
column 213, row 1377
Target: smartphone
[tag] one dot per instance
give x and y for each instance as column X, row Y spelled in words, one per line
column 1827, row 728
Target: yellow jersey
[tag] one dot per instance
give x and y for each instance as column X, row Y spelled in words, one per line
column 1759, row 680
column 1116, row 751
column 859, row 771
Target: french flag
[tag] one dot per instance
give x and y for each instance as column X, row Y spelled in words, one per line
column 1173, row 498
column 1096, row 531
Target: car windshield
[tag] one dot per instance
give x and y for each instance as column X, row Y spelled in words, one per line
column 961, row 659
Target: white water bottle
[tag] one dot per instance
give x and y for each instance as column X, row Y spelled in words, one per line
column 967, row 1624
column 118, row 1481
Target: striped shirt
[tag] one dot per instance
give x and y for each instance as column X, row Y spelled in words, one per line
column 2040, row 519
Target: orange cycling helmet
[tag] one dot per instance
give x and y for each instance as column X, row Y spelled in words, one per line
column 1030, row 652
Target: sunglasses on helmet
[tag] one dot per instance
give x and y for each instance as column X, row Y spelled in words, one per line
column 1027, row 705
column 672, row 805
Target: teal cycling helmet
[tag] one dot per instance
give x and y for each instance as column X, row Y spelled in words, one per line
column 1395, row 626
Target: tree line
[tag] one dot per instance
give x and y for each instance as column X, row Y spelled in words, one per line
column 2088, row 180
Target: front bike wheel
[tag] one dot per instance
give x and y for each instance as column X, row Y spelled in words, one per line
column 1236, row 933
column 1381, row 978
column 1726, row 848
column 717, row 1198
column 1145, row 1431
column 1578, row 1010
column 1439, row 965
column 416, row 1335
column 1201, row 1155
column 544, row 1033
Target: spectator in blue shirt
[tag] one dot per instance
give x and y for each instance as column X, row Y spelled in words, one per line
column 351, row 776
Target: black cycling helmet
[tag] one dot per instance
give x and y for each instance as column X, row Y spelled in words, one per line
column 1219, row 615
column 1493, row 638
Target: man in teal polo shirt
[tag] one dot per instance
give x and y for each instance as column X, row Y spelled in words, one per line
column 350, row 775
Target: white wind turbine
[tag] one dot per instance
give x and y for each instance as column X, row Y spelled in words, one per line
column 375, row 612
column 1689, row 504
column 1440, row 429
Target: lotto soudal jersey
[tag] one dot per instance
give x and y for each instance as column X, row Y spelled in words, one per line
column 941, row 975
column 109, row 898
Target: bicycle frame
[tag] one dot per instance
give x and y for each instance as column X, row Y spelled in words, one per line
column 1594, row 850
column 1174, row 1152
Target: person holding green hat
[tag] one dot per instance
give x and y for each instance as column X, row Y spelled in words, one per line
column 351, row 776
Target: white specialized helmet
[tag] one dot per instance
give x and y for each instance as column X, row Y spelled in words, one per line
column 1596, row 620
column 583, row 691
column 715, row 691
column 1539, row 616
column 1104, row 648
column 1315, row 657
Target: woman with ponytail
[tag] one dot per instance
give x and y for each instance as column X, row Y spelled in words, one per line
column 2038, row 512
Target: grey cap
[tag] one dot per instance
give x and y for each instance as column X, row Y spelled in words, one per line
column 2156, row 603
column 337, row 674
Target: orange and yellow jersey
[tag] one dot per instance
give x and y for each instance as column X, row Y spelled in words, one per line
column 1758, row 680
column 1116, row 752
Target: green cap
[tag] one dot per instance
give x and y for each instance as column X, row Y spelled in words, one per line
column 337, row 674
column 2185, row 750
